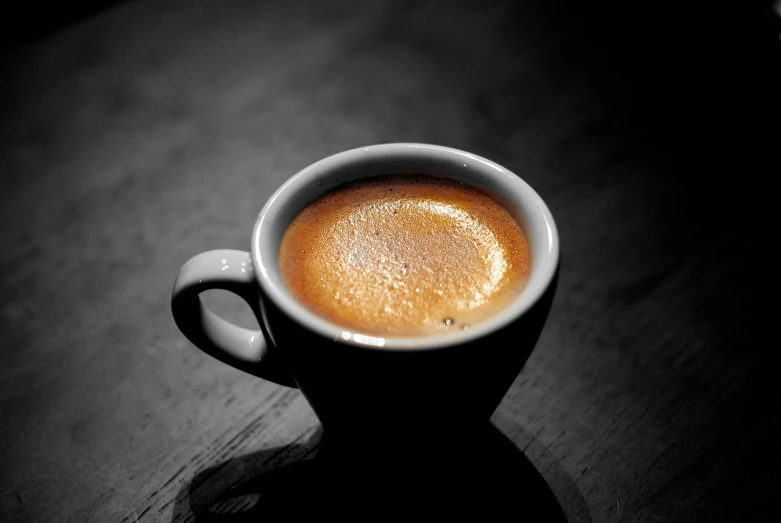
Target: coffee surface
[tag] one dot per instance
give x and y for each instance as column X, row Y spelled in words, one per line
column 404, row 255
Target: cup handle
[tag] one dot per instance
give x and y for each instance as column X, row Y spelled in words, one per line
column 241, row 348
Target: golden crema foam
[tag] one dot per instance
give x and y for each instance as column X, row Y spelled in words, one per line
column 404, row 255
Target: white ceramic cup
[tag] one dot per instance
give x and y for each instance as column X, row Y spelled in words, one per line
column 345, row 373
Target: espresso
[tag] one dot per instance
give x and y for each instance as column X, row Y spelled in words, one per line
column 404, row 255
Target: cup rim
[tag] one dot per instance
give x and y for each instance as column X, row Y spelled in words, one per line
column 543, row 269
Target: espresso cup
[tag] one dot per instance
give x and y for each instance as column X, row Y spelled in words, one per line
column 360, row 385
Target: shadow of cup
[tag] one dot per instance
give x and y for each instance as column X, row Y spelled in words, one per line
column 481, row 475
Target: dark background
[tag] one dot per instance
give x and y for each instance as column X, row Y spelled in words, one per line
column 136, row 134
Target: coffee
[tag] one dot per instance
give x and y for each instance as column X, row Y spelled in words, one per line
column 404, row 255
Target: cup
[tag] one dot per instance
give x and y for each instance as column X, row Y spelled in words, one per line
column 361, row 386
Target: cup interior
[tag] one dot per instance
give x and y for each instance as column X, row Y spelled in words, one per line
column 523, row 203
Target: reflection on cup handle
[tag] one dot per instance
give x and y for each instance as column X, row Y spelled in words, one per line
column 241, row 348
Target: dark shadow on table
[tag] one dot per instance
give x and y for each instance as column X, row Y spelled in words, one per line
column 33, row 21
column 480, row 480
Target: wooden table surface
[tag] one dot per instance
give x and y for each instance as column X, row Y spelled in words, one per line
column 156, row 130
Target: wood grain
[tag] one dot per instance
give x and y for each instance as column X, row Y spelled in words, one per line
column 154, row 131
